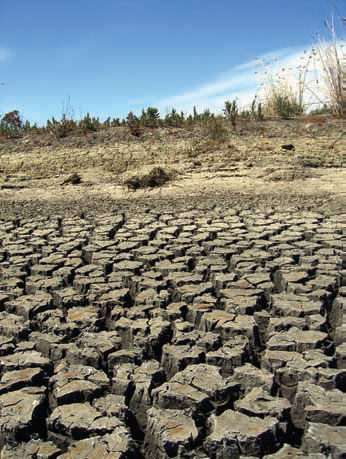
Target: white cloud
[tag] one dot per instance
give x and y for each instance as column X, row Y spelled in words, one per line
column 240, row 82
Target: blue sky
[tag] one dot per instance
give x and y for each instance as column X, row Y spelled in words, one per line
column 112, row 56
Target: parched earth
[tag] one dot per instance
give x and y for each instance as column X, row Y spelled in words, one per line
column 201, row 320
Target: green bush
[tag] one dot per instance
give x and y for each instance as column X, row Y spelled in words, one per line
column 324, row 110
column 150, row 117
column 285, row 107
column 61, row 128
column 11, row 124
column 134, row 124
column 215, row 130
column 89, row 124
column 174, row 118
column 231, row 111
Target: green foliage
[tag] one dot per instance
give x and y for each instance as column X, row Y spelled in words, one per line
column 324, row 110
column 215, row 130
column 88, row 124
column 207, row 115
column 133, row 123
column 27, row 127
column 61, row 128
column 111, row 122
column 13, row 120
column 285, row 107
column 11, row 124
column 195, row 114
column 231, row 111
column 150, row 117
column 174, row 119
column 256, row 110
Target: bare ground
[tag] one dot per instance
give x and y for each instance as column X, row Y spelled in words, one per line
column 247, row 168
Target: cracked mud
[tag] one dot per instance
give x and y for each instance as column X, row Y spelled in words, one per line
column 207, row 332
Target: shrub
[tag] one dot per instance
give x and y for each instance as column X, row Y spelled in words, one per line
column 215, row 130
column 89, row 124
column 282, row 90
column 116, row 122
column 324, row 110
column 133, row 124
column 11, row 124
column 328, row 52
column 231, row 111
column 286, row 106
column 173, row 118
column 61, row 128
column 155, row 178
column 150, row 117
column 256, row 110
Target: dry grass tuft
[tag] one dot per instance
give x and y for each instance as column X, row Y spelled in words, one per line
column 157, row 177
column 73, row 179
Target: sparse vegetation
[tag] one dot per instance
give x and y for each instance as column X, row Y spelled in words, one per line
column 215, row 129
column 150, row 117
column 283, row 94
column 231, row 111
column 328, row 52
column 157, row 177
column 317, row 80
column 12, row 124
column 73, row 179
column 61, row 128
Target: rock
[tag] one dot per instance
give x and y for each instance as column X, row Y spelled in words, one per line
column 169, row 433
column 122, row 383
column 26, row 359
column 33, row 449
column 291, row 367
column 22, row 414
column 234, row 434
column 28, row 306
column 298, row 340
column 7, row 345
column 234, row 353
column 324, row 439
column 250, row 377
column 116, row 445
column 145, row 379
column 18, row 379
column 314, row 404
column 288, row 451
column 176, row 358
column 199, row 389
column 13, row 326
column 112, row 405
column 76, row 384
column 259, row 403
column 81, row 420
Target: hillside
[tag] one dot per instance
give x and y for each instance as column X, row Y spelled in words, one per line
column 248, row 164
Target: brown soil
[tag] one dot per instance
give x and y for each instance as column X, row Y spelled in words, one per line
column 247, row 168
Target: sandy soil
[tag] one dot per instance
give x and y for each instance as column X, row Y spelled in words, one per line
column 249, row 167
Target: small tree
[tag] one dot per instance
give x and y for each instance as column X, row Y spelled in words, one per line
column 150, row 117
column 11, row 124
column 174, row 119
column 133, row 124
column 195, row 114
column 13, row 120
column 61, row 128
column 231, row 111
column 89, row 124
